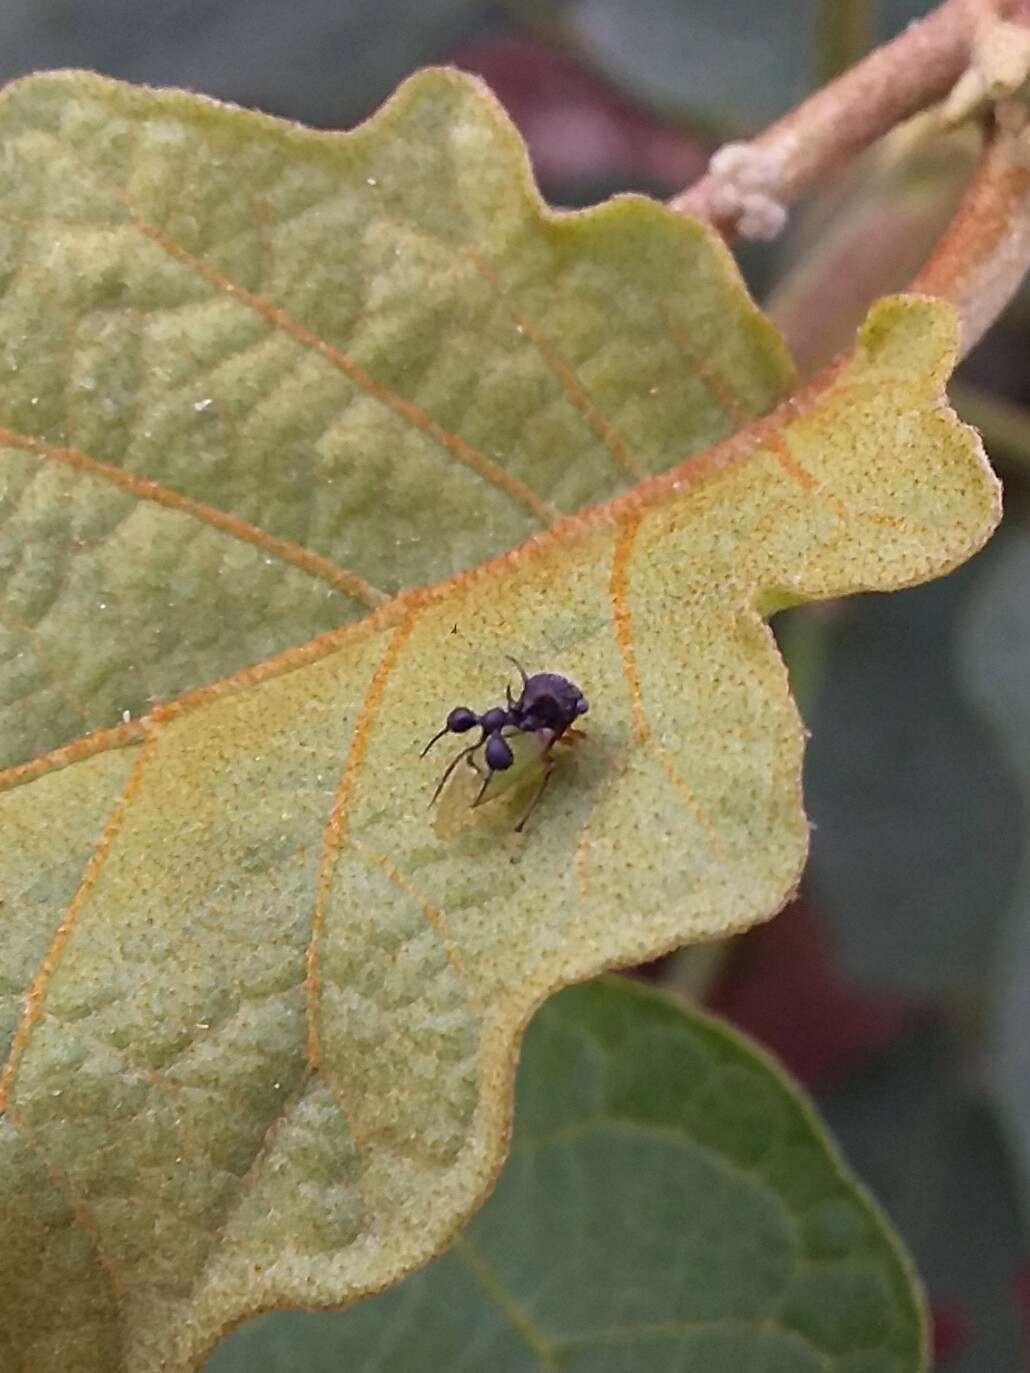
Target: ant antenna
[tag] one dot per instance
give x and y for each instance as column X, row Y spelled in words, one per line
column 522, row 670
column 536, row 795
column 432, row 741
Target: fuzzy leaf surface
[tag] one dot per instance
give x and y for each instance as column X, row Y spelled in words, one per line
column 263, row 1015
column 256, row 379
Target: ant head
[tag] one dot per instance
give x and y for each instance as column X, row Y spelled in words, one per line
column 461, row 719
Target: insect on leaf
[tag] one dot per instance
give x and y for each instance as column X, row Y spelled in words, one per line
column 288, row 406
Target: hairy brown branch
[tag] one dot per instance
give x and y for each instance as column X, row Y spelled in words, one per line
column 983, row 257
column 748, row 185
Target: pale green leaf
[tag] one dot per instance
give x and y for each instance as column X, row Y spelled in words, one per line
column 670, row 1204
column 262, row 1036
column 254, row 379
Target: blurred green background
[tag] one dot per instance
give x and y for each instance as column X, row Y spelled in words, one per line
column 896, row 987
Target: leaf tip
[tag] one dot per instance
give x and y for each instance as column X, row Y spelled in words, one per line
column 911, row 336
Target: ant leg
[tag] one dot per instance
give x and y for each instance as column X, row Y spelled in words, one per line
column 536, row 795
column 482, row 790
column 450, row 768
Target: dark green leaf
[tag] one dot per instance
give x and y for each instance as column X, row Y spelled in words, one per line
column 670, row 1204
column 917, row 828
column 932, row 1154
column 996, row 660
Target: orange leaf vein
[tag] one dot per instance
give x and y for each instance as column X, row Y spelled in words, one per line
column 434, row 917
column 618, row 592
column 336, row 826
column 146, row 489
column 715, row 384
column 274, row 315
column 80, row 1211
column 573, row 388
column 32, row 1006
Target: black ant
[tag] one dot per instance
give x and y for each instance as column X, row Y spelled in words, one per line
column 547, row 707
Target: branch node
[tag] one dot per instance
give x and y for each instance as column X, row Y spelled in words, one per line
column 999, row 66
column 746, row 187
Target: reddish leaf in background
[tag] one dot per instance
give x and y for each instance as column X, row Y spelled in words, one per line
column 950, row 1330
column 579, row 128
column 783, row 987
